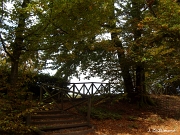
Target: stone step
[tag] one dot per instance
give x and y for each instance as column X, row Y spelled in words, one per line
column 33, row 122
column 80, row 132
column 47, row 112
column 51, row 116
column 58, row 122
column 62, row 126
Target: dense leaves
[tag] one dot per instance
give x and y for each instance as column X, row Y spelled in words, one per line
column 135, row 43
column 161, row 40
column 14, row 106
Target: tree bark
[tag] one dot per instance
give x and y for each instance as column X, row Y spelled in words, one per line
column 18, row 45
column 140, row 95
column 123, row 61
column 14, row 72
column 128, row 83
column 125, row 67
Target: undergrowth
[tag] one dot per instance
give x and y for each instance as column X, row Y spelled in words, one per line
column 101, row 114
column 13, row 113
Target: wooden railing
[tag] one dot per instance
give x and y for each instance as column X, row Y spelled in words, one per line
column 58, row 95
column 74, row 91
column 94, row 88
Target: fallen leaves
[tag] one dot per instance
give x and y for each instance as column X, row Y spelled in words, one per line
column 152, row 120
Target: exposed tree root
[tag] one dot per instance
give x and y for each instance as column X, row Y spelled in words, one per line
column 145, row 100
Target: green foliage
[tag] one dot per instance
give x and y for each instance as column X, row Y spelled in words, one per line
column 132, row 118
column 101, row 114
column 14, row 109
column 78, row 32
column 46, row 78
column 161, row 38
column 15, row 104
column 70, row 34
column 16, row 101
column 109, row 98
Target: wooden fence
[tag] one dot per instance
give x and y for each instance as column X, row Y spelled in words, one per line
column 94, row 88
column 84, row 89
column 73, row 91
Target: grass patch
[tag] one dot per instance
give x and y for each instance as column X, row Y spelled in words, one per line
column 101, row 114
column 132, row 118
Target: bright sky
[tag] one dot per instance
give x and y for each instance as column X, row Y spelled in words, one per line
column 76, row 80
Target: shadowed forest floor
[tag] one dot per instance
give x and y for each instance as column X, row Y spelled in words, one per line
column 162, row 119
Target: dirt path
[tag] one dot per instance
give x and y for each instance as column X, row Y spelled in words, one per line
column 162, row 119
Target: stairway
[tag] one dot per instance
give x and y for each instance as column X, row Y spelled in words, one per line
column 54, row 122
column 58, row 113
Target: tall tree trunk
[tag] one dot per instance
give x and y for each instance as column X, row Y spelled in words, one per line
column 14, row 72
column 18, row 45
column 123, row 61
column 124, row 64
column 128, row 83
column 140, row 88
column 141, row 95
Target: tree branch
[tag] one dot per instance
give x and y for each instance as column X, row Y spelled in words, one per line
column 149, row 4
column 4, row 47
column 2, row 41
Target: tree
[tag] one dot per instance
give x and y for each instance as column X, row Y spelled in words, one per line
column 123, row 50
column 34, row 31
column 129, row 64
column 132, row 45
column 19, row 32
column 73, row 33
column 42, row 30
column 162, row 38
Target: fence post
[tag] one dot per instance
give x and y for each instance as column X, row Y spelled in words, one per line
column 28, row 116
column 83, row 88
column 73, row 90
column 109, row 90
column 41, row 93
column 92, row 90
column 59, row 96
column 62, row 103
column 28, row 119
column 89, row 110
